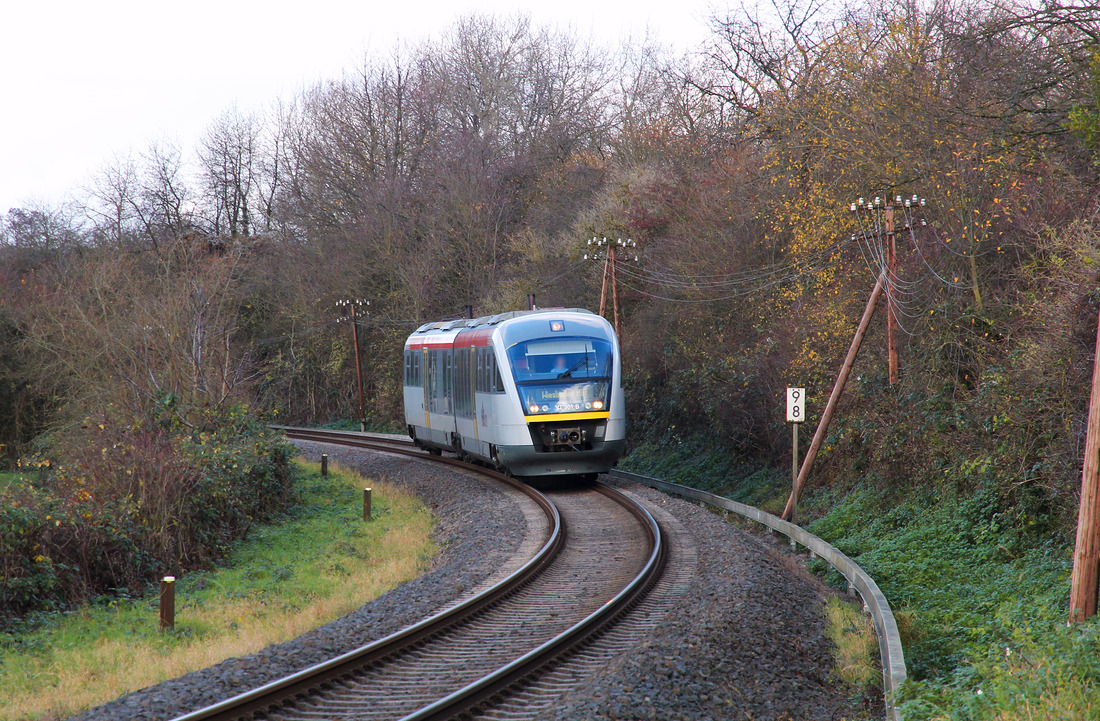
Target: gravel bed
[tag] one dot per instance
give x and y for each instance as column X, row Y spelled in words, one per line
column 746, row 640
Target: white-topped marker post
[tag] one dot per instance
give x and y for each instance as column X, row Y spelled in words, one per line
column 796, row 413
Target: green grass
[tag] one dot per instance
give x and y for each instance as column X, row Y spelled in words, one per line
column 979, row 585
column 853, row 636
column 317, row 565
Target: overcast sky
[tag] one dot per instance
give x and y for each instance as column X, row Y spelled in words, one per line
column 84, row 80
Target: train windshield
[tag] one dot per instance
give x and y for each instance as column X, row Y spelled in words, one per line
column 562, row 375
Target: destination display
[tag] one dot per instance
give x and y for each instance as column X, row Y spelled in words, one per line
column 589, row 396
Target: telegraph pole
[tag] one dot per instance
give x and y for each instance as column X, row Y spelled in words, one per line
column 352, row 305
column 883, row 226
column 615, row 289
column 605, row 250
column 892, row 274
column 1086, row 551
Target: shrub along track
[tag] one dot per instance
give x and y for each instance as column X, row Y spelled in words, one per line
column 603, row 552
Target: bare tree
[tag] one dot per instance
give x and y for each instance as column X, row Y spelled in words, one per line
column 166, row 201
column 120, row 335
column 42, row 226
column 229, row 154
column 114, row 195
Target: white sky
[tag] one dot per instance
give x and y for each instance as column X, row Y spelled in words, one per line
column 82, row 81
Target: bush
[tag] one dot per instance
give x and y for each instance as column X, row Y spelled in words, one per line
column 130, row 504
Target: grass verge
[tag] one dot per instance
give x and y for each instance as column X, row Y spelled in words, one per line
column 856, row 654
column 285, row 579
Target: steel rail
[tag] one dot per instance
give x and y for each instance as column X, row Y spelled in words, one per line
column 278, row 692
column 480, row 692
column 498, row 682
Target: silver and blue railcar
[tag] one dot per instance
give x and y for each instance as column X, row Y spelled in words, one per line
column 536, row 393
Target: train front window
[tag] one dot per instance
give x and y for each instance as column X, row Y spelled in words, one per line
column 560, row 358
column 562, row 375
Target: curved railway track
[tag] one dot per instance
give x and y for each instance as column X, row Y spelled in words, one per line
column 603, row 552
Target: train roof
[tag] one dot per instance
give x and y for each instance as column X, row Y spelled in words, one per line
column 490, row 320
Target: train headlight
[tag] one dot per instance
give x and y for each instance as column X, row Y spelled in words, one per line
column 533, row 408
column 598, row 405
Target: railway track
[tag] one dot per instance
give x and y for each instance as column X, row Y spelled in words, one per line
column 603, row 552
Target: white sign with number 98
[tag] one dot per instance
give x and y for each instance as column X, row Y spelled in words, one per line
column 796, row 404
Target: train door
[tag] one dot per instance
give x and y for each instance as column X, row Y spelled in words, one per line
column 426, row 376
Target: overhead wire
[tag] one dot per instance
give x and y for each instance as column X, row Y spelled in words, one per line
column 910, row 299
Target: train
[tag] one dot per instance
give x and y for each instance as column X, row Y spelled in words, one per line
column 534, row 393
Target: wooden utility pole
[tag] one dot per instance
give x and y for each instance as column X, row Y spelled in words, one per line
column 351, row 304
column 883, row 227
column 610, row 260
column 1086, row 552
column 838, row 387
column 891, row 278
column 614, row 291
column 603, row 285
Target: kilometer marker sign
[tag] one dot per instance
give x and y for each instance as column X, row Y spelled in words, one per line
column 796, row 405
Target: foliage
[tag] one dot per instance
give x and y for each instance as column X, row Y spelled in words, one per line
column 1084, row 120
column 1045, row 671
column 129, row 504
column 314, row 564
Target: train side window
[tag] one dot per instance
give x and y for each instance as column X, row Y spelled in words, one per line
column 430, row 380
column 448, row 381
column 498, row 382
column 463, row 392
